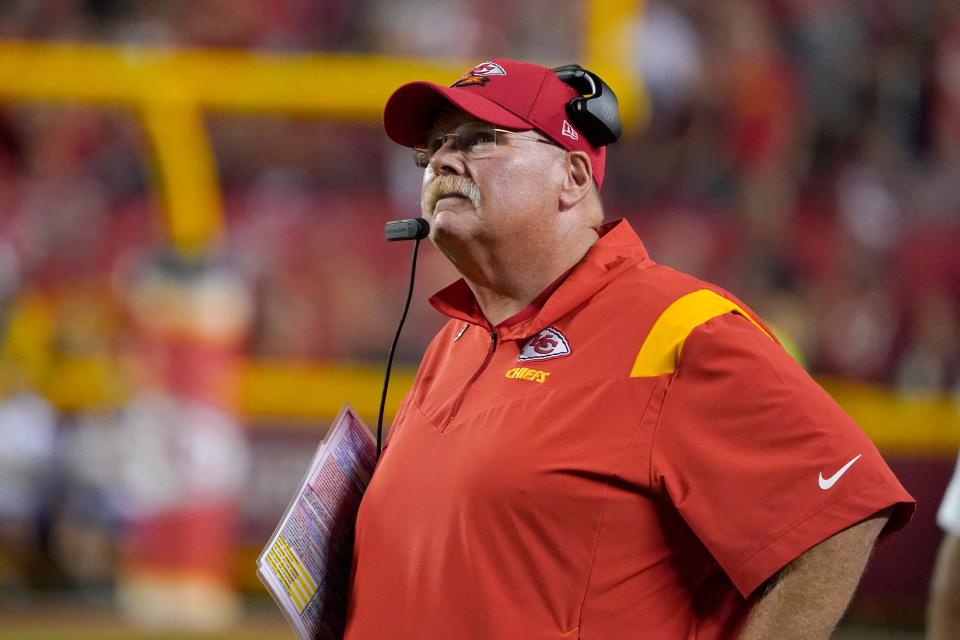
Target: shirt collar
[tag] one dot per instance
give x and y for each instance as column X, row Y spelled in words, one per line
column 618, row 247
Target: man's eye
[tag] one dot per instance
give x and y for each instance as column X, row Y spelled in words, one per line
column 422, row 158
column 435, row 142
column 480, row 138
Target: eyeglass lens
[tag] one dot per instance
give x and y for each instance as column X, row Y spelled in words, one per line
column 475, row 139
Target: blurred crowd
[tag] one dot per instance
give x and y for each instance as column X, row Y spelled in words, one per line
column 805, row 154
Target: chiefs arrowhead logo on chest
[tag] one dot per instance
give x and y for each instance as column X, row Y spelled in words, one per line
column 549, row 343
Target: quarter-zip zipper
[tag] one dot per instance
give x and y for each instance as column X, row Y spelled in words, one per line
column 463, row 392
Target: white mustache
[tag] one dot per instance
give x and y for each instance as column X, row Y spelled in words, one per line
column 446, row 185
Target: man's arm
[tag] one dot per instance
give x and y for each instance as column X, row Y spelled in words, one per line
column 943, row 609
column 812, row 592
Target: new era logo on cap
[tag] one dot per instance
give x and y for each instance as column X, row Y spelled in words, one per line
column 549, row 343
column 569, row 131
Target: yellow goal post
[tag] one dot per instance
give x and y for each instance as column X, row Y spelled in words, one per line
column 170, row 90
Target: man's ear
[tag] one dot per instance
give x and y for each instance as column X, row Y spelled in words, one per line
column 577, row 181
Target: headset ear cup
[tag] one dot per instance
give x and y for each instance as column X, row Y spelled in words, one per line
column 605, row 112
column 597, row 116
column 593, row 118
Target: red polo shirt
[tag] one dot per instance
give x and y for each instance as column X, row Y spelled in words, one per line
column 631, row 458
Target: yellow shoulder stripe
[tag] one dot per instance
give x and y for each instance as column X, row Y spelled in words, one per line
column 661, row 349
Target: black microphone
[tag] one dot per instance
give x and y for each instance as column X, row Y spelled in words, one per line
column 413, row 229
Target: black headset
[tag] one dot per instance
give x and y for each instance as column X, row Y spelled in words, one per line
column 595, row 111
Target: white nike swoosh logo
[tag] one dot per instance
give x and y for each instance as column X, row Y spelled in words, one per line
column 826, row 483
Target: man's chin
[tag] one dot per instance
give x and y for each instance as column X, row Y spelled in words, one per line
column 441, row 225
column 445, row 215
column 450, row 226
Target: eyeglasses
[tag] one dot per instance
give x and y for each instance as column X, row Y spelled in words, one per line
column 473, row 139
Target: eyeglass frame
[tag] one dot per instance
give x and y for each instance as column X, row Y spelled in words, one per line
column 423, row 155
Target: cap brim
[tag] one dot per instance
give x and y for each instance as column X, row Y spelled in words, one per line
column 411, row 109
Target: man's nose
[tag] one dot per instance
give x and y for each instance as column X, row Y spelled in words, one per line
column 448, row 160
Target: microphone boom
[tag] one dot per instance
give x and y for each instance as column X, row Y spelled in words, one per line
column 411, row 229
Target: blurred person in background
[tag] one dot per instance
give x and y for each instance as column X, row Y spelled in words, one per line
column 595, row 445
column 943, row 609
column 185, row 453
column 28, row 429
column 28, row 434
column 930, row 363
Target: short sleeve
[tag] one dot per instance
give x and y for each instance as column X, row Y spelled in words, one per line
column 757, row 458
column 948, row 516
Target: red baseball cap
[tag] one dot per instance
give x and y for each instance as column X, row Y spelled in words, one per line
column 505, row 93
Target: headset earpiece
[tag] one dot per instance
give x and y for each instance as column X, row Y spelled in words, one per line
column 595, row 111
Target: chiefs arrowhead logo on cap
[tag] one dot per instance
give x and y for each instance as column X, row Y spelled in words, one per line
column 549, row 343
column 480, row 75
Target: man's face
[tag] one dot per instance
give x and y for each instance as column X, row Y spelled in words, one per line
column 496, row 203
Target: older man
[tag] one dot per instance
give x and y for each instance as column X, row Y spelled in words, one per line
column 595, row 446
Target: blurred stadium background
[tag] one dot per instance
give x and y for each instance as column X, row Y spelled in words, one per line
column 193, row 277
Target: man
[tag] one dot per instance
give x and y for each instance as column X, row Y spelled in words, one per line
column 943, row 610
column 595, row 446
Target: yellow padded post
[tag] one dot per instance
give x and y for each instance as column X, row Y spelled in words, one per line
column 609, row 53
